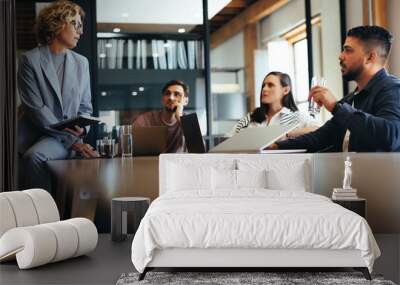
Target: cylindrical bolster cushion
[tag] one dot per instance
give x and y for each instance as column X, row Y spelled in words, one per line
column 87, row 235
column 23, row 208
column 41, row 244
column 34, row 245
column 7, row 218
column 67, row 240
column 45, row 206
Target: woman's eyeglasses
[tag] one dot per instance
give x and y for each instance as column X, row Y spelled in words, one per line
column 77, row 25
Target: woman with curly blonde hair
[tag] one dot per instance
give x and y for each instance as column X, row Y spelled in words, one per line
column 54, row 85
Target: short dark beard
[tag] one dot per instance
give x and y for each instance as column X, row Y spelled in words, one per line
column 352, row 74
column 171, row 111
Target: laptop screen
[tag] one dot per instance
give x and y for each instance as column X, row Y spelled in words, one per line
column 192, row 133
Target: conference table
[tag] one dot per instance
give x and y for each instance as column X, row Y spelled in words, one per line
column 85, row 187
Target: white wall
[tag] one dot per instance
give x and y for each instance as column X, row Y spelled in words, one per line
column 354, row 13
column 354, row 18
column 331, row 46
column 228, row 54
column 289, row 16
column 394, row 27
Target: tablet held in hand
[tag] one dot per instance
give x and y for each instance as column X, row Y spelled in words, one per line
column 81, row 121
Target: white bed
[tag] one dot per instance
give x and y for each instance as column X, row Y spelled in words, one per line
column 226, row 224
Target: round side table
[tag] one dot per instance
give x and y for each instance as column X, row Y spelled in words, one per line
column 120, row 207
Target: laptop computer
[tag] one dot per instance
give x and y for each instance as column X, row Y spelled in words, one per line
column 192, row 133
column 149, row 140
column 255, row 140
column 249, row 140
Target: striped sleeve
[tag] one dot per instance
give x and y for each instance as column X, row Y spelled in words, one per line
column 305, row 121
column 242, row 123
column 290, row 118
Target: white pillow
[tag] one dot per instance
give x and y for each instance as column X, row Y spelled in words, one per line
column 251, row 178
column 294, row 179
column 228, row 179
column 286, row 173
column 181, row 177
column 223, row 179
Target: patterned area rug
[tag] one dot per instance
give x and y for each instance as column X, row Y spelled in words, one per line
column 230, row 278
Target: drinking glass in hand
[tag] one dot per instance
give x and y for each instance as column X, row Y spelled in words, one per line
column 313, row 107
column 125, row 135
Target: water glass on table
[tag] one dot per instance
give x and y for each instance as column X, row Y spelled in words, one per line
column 125, row 135
column 313, row 107
column 106, row 147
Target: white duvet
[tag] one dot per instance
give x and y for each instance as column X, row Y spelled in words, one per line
column 250, row 219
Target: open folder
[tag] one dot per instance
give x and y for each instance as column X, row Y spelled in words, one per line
column 255, row 140
column 81, row 121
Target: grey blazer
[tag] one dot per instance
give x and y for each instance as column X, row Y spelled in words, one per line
column 43, row 101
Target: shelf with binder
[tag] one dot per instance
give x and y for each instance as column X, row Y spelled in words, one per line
column 129, row 62
column 143, row 53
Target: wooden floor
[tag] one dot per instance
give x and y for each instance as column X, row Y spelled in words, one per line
column 103, row 266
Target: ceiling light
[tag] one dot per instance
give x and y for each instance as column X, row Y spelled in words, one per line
column 141, row 89
column 103, row 93
column 134, row 93
column 181, row 30
column 116, row 30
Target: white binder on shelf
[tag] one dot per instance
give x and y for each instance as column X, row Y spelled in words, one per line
column 175, row 54
column 138, row 53
column 130, row 48
column 171, row 54
column 144, row 54
column 161, row 54
column 191, row 54
column 181, row 55
column 120, row 53
column 111, row 53
column 154, row 53
column 199, row 55
column 101, row 57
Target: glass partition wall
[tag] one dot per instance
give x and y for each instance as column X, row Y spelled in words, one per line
column 135, row 47
column 142, row 45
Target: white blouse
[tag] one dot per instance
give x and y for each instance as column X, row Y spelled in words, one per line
column 284, row 117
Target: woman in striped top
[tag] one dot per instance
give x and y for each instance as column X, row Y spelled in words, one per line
column 277, row 107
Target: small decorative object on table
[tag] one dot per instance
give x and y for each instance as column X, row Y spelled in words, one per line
column 347, row 196
column 136, row 206
column 346, row 192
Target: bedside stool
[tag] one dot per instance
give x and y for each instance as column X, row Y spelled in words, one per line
column 358, row 206
column 120, row 207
